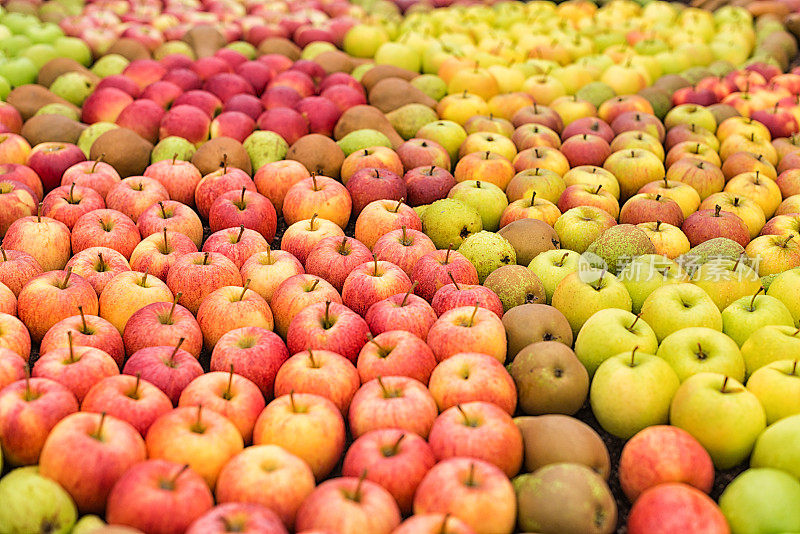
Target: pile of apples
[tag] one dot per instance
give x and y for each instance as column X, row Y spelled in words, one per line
column 253, row 282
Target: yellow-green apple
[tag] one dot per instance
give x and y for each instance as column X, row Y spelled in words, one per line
column 468, row 329
column 707, row 224
column 740, row 162
column 269, row 476
column 762, row 497
column 403, row 247
column 634, row 168
column 17, row 268
column 591, row 175
column 196, row 275
column 266, row 270
column 48, row 160
column 485, row 166
column 543, row 157
column 382, row 216
column 157, row 252
column 14, row 335
column 128, row 398
column 392, row 402
column 594, row 290
column 427, row 184
column 333, row 257
column 158, row 496
column 168, row 368
column 320, row 372
column 12, row 367
column 646, row 379
column 676, row 306
column 96, row 175
column 395, row 353
column 684, row 194
column 721, row 414
column 349, row 505
column 296, row 293
column 403, row 311
column 228, row 394
column 782, row 289
column 551, row 266
column 761, row 189
column 789, row 205
column 378, row 157
column 30, row 408
column 274, row 179
column 306, row 425
column 173, row 216
column 318, row 195
column 14, row 148
column 478, row 430
column 204, row 439
column 692, row 149
column 665, row 508
column 459, row 107
column 646, row 273
column 218, row 182
column 77, row 368
column 746, row 315
column 667, row 239
column 472, row 490
column 780, row 225
column 774, row 254
column 255, row 353
column 161, row 324
column 327, row 326
column 90, row 447
column 690, row 114
column 237, row 244
column 467, row 377
column 547, row 184
column 596, row 196
column 105, row 228
column 694, row 350
column 637, row 139
column 46, row 239
column 301, row 237
column 371, row 282
column 133, row 195
column 53, row 296
column 438, row 268
column 531, row 208
column 98, row 265
column 127, row 293
column 726, row 280
column 572, row 108
column 744, row 126
column 663, row 454
column 763, row 147
column 775, row 385
column 178, row 177
column 769, row 344
column 17, row 200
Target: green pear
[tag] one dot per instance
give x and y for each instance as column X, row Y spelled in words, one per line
column 631, row 391
column 57, row 108
column 565, row 498
column 487, row 251
column 361, row 139
column 610, row 332
column 785, row 287
column 721, row 414
column 406, row 120
column 583, row 293
column 779, row 446
column 698, row 349
column 431, row 85
column 719, row 248
column 90, row 135
column 777, row 386
column 488, row 200
column 109, row 65
column 515, row 285
column 770, row 344
column 33, row 503
column 596, row 93
column 762, row 501
column 264, row 147
column 550, row 379
column 556, row 438
column 73, row 87
column 421, row 209
column 644, row 274
column 618, row 245
column 449, row 222
column 675, row 306
column 746, row 315
column 551, row 266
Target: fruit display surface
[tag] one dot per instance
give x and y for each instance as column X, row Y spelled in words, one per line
column 392, row 267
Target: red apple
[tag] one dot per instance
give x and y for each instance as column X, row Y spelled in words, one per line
column 274, row 179
column 255, row 353
column 371, row 282
column 333, row 258
column 440, row 267
column 198, row 274
column 157, row 253
column 322, row 373
column 163, row 324
column 427, row 184
column 50, row 160
column 179, row 178
column 403, row 311
column 105, row 228
column 395, row 353
column 381, row 217
column 468, row 329
column 16, row 201
column 128, row 398
column 46, row 239
column 95, row 175
column 229, row 308
column 369, row 184
column 168, row 368
column 403, row 247
column 454, row 295
column 17, row 268
column 247, row 208
column 392, row 402
column 14, row 336
column 708, row 224
column 471, row 376
column 295, row 294
column 98, row 265
column 676, row 507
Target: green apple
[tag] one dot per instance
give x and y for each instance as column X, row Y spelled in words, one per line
column 19, row 22
column 779, row 446
column 691, row 114
column 33, row 503
column 174, row 47
column 588, row 290
column 746, row 315
column 90, row 135
column 19, row 71
column 770, row 344
column 361, row 139
column 168, row 147
column 250, row 51
column 698, row 349
column 762, row 501
column 362, row 69
column 785, row 287
column 110, row 65
column 578, row 227
column 363, row 40
column 265, row 147
column 57, row 108
column 487, row 199
column 726, row 280
column 488, row 251
column 73, row 87
column 721, row 414
column 609, row 332
column 87, row 524
column 398, row 55
column 40, row 54
column 631, row 391
column 675, row 306
column 777, row 386
column 551, row 266
column 644, row 274
column 14, row 45
column 449, row 134
column 44, row 33
column 5, row 88
column 74, row 48
column 312, row 49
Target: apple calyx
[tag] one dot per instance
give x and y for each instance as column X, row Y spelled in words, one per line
column 98, row 433
column 312, row 221
column 134, row 393
column 99, row 159
column 405, row 297
column 227, row 394
column 393, row 449
column 636, row 320
column 171, row 361
column 633, row 356
column 397, row 206
column 388, row 393
column 327, row 320
column 198, row 427
column 65, row 283
column 752, row 306
column 468, row 421
column 169, row 483
column 383, row 352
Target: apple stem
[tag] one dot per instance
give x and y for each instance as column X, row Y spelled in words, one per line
column 174, row 480
column 326, row 319
column 636, row 320
column 383, row 387
column 786, row 241
column 174, row 158
column 3, row 252
column 405, row 297
column 666, row 182
column 472, row 317
column 166, row 246
column 794, row 367
column 447, row 254
column 241, row 232
column 176, row 349
column 736, row 201
column 796, row 332
column 658, row 196
column 197, row 427
column 28, row 392
column 404, row 241
column 597, row 191
column 135, row 393
column 752, row 306
column 343, row 246
column 143, row 283
column 97, row 434
column 66, row 278
column 227, row 393
column 533, row 198
column 443, row 529
column 724, row 384
column 736, row 264
column 291, row 401
column 98, row 160
column 756, row 179
column 600, row 280
column 71, row 347
column 381, row 350
column 397, row 207
column 658, row 225
column 313, row 285
column 717, row 210
column 102, row 264
column 560, row 263
column 633, row 356
column 224, row 163
column 471, row 475
column 85, row 327
column 70, row 198
column 313, row 361
column 244, row 289
column 172, row 308
column 375, row 265
column 450, row 275
column 396, row 445
column 39, row 212
column 269, row 255
column 314, row 182
column 311, row 222
column 357, row 492
column 433, row 168
column 163, row 211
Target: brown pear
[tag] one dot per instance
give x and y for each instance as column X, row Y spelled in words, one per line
column 61, row 65
column 531, row 323
column 318, row 153
column 130, row 49
column 124, row 150
column 335, row 61
column 205, row 40
column 380, row 72
column 529, row 237
column 278, row 45
column 361, row 117
column 44, row 128
column 28, row 99
column 219, row 152
column 392, row 93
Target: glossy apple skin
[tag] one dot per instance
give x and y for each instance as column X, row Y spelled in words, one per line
column 98, row 265
column 452, row 333
column 133, row 400
column 250, row 209
column 156, row 253
column 433, row 270
column 105, row 228
column 250, row 518
column 50, row 160
column 321, row 372
column 25, row 424
column 88, row 467
column 168, row 369
column 471, row 376
column 14, row 336
column 173, row 216
column 334, row 257
column 676, row 507
column 95, row 175
column 408, row 405
column 77, row 368
column 274, row 179
column 396, row 353
column 17, row 268
column 295, row 294
column 229, row 308
column 140, row 500
column 371, row 282
column 326, row 326
column 46, row 239
column 392, row 458
column 255, row 353
column 153, row 326
column 403, row 247
column 198, row 274
column 180, row 178
column 402, row 311
column 13, row 367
